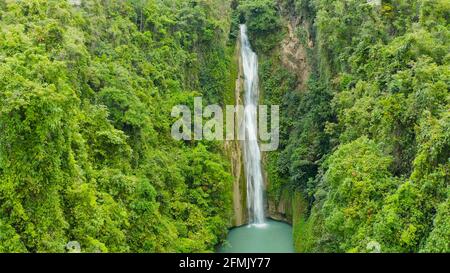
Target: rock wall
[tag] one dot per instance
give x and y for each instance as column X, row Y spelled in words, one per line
column 293, row 56
column 281, row 210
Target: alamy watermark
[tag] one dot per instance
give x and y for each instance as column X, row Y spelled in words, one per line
column 246, row 123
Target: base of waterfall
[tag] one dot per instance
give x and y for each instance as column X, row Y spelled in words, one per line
column 262, row 225
column 270, row 237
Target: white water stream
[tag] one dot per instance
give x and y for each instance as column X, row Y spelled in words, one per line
column 252, row 153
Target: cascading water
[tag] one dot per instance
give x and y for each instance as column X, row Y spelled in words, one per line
column 252, row 154
column 261, row 236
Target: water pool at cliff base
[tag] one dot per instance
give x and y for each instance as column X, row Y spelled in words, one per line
column 271, row 237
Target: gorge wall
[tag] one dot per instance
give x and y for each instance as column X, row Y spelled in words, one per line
column 293, row 54
column 234, row 148
column 290, row 53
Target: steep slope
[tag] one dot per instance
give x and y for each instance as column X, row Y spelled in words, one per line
column 86, row 155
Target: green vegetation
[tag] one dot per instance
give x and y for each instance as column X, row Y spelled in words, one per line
column 366, row 142
column 263, row 23
column 85, row 148
column 86, row 93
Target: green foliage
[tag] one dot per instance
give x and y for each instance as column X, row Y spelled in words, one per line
column 85, row 99
column 11, row 242
column 356, row 182
column 400, row 223
column 85, row 148
column 367, row 142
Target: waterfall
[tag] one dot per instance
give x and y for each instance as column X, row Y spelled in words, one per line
column 252, row 154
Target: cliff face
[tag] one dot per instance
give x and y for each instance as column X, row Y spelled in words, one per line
column 292, row 55
column 281, row 209
column 234, row 148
